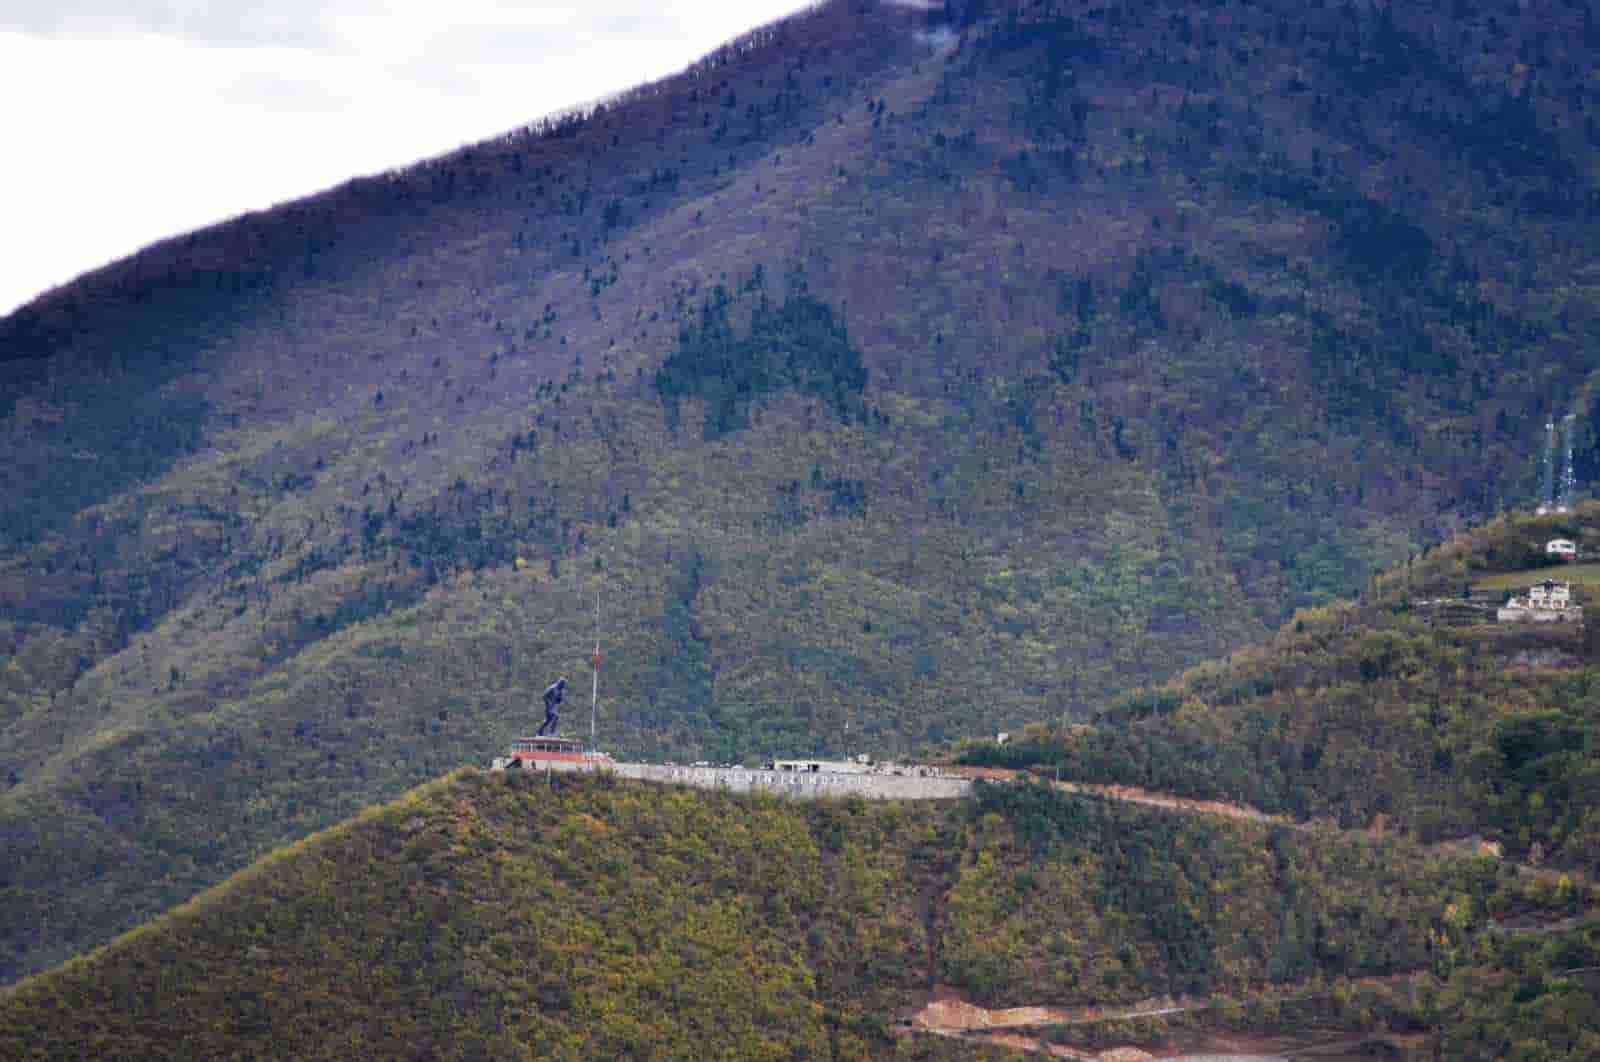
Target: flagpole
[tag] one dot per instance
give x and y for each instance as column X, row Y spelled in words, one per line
column 594, row 695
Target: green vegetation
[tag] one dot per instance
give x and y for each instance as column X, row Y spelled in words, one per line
column 560, row 917
column 482, row 916
column 1083, row 901
column 797, row 345
column 1376, row 713
column 890, row 388
column 121, row 434
column 1524, row 998
column 1576, row 574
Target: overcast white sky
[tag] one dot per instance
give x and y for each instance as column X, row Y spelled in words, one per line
column 127, row 121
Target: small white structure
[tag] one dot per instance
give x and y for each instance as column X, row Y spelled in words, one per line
column 858, row 765
column 820, row 766
column 1564, row 548
column 1546, row 602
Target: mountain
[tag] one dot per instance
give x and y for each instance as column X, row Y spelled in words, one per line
column 1410, row 710
column 890, row 376
column 495, row 916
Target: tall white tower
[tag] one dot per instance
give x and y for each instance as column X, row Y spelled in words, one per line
column 1547, row 493
column 1569, row 477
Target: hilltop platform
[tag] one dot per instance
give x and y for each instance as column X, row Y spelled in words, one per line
column 916, row 783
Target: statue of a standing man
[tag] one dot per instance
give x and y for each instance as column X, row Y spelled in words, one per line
column 552, row 705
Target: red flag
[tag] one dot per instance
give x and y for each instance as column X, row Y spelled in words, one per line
column 597, row 656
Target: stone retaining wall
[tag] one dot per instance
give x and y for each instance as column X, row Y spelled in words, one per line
column 800, row 785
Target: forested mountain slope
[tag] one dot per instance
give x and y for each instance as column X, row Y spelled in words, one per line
column 1406, row 710
column 900, row 374
column 516, row 916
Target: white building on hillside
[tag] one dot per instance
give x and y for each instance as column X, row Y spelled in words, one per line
column 1546, row 602
column 1564, row 548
